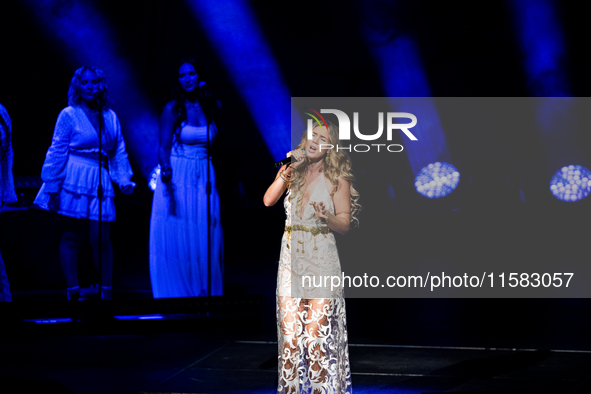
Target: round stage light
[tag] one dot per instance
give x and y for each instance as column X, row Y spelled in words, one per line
column 437, row 180
column 571, row 183
column 154, row 177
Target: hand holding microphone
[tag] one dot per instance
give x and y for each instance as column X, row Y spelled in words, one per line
column 204, row 89
column 298, row 156
column 166, row 173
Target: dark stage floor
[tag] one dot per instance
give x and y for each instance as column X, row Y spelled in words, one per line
column 198, row 363
column 408, row 349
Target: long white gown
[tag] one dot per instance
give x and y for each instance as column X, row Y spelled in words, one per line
column 178, row 228
column 311, row 322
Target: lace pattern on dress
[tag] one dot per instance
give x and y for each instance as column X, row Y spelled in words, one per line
column 312, row 332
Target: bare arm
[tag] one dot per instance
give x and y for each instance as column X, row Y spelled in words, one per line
column 165, row 133
column 341, row 220
column 276, row 190
column 342, row 206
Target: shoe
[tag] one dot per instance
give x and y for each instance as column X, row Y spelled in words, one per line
column 106, row 292
column 73, row 293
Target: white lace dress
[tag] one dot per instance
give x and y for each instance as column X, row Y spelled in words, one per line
column 311, row 322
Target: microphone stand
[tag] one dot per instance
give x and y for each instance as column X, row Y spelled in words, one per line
column 100, row 196
column 208, row 188
column 208, row 192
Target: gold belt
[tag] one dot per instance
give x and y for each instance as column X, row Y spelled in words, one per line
column 300, row 227
column 314, row 230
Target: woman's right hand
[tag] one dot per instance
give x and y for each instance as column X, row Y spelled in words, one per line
column 283, row 177
column 299, row 155
column 166, row 173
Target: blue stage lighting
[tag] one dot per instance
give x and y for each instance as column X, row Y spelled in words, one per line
column 571, row 183
column 234, row 32
column 405, row 81
column 542, row 44
column 437, row 180
column 139, row 317
column 50, row 320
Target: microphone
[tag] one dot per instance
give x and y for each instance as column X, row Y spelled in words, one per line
column 287, row 160
column 283, row 162
column 204, row 89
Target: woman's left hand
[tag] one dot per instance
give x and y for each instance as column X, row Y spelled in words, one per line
column 127, row 189
column 321, row 211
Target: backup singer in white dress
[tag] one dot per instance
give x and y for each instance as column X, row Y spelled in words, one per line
column 71, row 174
column 71, row 166
column 311, row 321
column 178, row 228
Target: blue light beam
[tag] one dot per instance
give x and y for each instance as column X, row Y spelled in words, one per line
column 234, row 33
column 402, row 74
column 542, row 45
column 86, row 39
column 544, row 54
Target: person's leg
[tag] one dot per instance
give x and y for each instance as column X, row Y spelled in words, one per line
column 106, row 256
column 69, row 246
column 4, row 285
column 289, row 312
column 317, row 332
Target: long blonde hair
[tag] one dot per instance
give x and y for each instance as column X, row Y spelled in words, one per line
column 336, row 164
column 74, row 96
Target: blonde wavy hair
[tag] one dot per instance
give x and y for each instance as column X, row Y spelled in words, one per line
column 336, row 164
column 74, row 96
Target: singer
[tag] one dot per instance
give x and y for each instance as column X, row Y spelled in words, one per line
column 71, row 174
column 311, row 322
column 179, row 250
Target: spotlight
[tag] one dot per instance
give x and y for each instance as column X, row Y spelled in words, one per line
column 571, row 183
column 154, row 177
column 437, row 180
